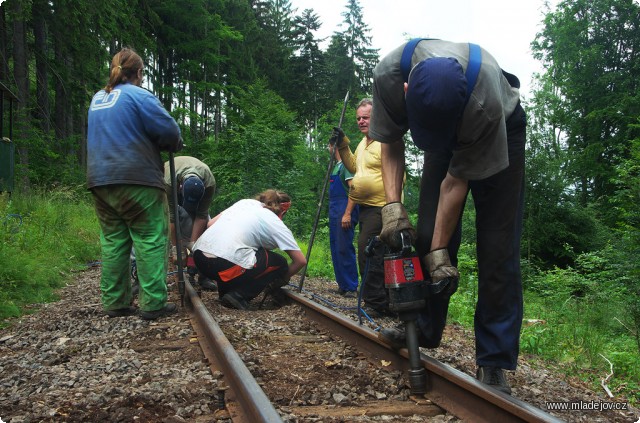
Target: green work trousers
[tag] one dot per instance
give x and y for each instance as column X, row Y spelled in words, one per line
column 132, row 215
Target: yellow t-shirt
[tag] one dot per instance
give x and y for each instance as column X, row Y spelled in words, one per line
column 366, row 186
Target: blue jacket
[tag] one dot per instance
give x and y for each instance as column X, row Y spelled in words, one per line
column 127, row 130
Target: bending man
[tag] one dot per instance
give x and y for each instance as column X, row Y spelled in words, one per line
column 473, row 135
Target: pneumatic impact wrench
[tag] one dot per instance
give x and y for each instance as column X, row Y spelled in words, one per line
column 404, row 280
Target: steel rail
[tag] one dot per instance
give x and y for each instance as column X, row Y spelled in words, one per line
column 454, row 391
column 254, row 405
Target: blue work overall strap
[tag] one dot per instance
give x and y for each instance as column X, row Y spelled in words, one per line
column 473, row 67
column 407, row 54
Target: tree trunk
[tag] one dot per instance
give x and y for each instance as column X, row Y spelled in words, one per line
column 42, row 110
column 193, row 122
column 21, row 76
column 4, row 54
column 61, row 103
column 81, row 124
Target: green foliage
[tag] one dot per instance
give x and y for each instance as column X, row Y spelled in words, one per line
column 627, row 239
column 257, row 152
column 593, row 275
column 578, row 334
column 556, row 226
column 44, row 236
column 305, row 182
column 589, row 49
column 463, row 302
column 308, row 66
column 355, row 43
column 573, row 317
column 320, row 264
column 412, row 195
column 49, row 163
column 558, row 233
column 578, row 318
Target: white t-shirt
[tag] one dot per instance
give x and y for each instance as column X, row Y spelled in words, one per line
column 241, row 230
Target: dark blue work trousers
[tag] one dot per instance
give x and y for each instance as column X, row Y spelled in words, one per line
column 498, row 202
column 343, row 253
column 249, row 283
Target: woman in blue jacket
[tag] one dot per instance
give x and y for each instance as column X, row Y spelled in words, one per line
column 128, row 128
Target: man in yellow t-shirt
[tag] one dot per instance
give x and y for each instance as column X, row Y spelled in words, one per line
column 367, row 190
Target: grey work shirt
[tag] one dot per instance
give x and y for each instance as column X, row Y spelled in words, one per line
column 481, row 149
column 186, row 166
column 189, row 166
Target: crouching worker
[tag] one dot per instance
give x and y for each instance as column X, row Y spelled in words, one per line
column 196, row 188
column 235, row 250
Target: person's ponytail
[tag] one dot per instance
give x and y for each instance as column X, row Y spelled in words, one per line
column 124, row 68
column 274, row 200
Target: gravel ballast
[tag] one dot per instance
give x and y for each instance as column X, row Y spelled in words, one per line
column 69, row 362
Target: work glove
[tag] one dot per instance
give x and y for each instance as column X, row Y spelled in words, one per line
column 191, row 264
column 338, row 138
column 174, row 254
column 440, row 269
column 395, row 221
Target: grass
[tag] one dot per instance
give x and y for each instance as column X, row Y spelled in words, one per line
column 586, row 339
column 320, row 265
column 582, row 336
column 43, row 238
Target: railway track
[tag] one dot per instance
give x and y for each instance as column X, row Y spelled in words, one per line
column 449, row 390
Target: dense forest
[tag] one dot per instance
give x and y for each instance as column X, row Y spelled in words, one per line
column 256, row 94
column 246, row 80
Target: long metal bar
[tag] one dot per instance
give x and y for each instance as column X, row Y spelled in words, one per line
column 178, row 234
column 458, row 393
column 254, row 405
column 322, row 194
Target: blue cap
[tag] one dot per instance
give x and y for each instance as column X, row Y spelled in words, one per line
column 192, row 192
column 435, row 100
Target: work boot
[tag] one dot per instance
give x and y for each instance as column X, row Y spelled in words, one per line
column 397, row 337
column 207, row 284
column 345, row 293
column 234, row 300
column 279, row 297
column 121, row 312
column 168, row 309
column 278, row 283
column 494, row 377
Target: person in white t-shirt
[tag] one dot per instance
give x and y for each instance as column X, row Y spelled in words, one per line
column 236, row 249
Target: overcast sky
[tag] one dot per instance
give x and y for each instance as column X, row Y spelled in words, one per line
column 503, row 27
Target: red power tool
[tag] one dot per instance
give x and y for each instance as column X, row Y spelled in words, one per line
column 404, row 279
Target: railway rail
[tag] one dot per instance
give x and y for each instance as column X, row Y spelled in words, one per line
column 453, row 391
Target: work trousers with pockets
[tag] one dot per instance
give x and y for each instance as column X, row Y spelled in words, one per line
column 498, row 202
column 132, row 215
column 248, row 283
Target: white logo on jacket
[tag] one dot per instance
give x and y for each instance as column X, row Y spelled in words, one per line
column 102, row 100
